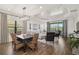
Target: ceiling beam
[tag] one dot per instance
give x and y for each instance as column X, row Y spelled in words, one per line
column 9, row 13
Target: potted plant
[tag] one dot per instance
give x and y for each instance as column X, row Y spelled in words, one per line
column 74, row 44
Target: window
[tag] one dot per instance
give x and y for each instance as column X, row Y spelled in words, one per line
column 11, row 23
column 55, row 26
column 60, row 26
column 19, row 26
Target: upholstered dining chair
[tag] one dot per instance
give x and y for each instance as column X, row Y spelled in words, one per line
column 18, row 33
column 34, row 42
column 16, row 44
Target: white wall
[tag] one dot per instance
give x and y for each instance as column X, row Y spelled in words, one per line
column 32, row 23
column 43, row 26
column 71, row 26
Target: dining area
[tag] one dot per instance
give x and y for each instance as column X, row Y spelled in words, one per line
column 24, row 41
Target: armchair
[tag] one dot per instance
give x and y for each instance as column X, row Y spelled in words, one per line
column 50, row 36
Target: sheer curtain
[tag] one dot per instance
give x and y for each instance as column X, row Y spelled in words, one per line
column 0, row 28
column 3, row 28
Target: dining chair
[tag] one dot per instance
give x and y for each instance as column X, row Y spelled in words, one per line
column 16, row 44
column 34, row 42
column 18, row 33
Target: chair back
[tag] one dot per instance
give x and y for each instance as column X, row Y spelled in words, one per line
column 13, row 35
column 35, row 38
column 18, row 33
column 33, row 43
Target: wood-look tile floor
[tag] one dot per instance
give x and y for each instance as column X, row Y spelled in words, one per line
column 59, row 47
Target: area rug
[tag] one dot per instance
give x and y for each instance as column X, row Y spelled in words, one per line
column 43, row 49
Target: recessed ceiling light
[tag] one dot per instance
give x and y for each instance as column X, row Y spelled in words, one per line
column 8, row 9
column 41, row 7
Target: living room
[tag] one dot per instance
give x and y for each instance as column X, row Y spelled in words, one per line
column 55, row 24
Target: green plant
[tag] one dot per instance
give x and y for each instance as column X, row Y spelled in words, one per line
column 73, row 41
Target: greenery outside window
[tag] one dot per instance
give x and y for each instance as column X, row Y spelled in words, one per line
column 11, row 24
column 55, row 26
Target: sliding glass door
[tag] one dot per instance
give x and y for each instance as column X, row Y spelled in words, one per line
column 55, row 26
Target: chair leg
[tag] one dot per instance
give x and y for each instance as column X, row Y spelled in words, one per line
column 36, row 47
column 14, row 47
column 24, row 47
column 33, row 49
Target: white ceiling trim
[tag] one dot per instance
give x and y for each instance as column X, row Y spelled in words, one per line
column 50, row 12
column 9, row 13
